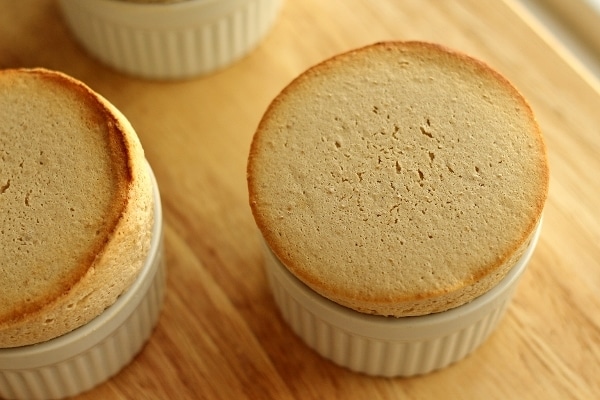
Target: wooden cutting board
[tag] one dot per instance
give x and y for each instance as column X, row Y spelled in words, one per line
column 220, row 335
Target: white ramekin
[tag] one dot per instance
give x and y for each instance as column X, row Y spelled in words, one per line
column 89, row 355
column 172, row 40
column 387, row 346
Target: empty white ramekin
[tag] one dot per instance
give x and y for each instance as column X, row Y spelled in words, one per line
column 388, row 346
column 81, row 359
column 169, row 40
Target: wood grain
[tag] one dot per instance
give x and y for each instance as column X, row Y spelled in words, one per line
column 220, row 336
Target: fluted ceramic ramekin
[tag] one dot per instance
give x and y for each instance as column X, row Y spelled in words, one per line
column 388, row 346
column 89, row 355
column 169, row 40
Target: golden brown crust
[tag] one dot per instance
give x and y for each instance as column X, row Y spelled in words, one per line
column 325, row 112
column 79, row 238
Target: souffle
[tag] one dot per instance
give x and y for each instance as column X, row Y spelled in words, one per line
column 398, row 179
column 76, row 205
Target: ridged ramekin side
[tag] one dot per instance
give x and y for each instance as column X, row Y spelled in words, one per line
column 445, row 341
column 172, row 50
column 98, row 363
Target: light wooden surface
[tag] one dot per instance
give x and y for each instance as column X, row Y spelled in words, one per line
column 220, row 335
